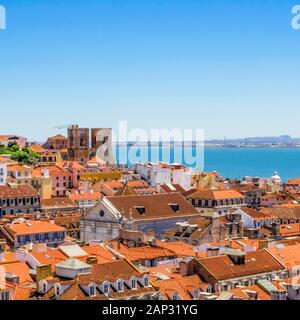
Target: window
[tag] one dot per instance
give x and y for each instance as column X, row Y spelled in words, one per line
column 5, row 295
column 106, row 288
column 92, row 290
column 102, row 213
column 120, row 286
column 146, row 282
column 133, row 284
column 58, row 290
column 175, row 297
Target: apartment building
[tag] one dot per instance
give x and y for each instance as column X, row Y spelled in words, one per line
column 160, row 173
column 18, row 199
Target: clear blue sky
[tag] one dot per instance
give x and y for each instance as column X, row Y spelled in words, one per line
column 230, row 67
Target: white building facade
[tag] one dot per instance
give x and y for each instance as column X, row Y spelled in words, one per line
column 162, row 173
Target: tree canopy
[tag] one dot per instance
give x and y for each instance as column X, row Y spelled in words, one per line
column 23, row 156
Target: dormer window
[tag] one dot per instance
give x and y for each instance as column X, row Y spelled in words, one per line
column 174, row 206
column 141, row 209
column 58, row 290
column 43, row 286
column 146, row 281
column 133, row 284
column 176, row 296
column 92, row 290
column 120, row 285
column 106, row 288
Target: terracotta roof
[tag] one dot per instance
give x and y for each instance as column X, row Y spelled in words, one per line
column 183, row 286
column 37, row 148
column 99, row 251
column 256, row 214
column 126, row 191
column 112, row 272
column 70, row 165
column 289, row 256
column 86, row 196
column 58, row 137
column 58, row 203
column 245, row 293
column 18, row 167
column 283, row 212
column 49, row 256
column 143, row 252
column 17, row 191
column 208, row 194
column 287, row 230
column 21, row 269
column 222, row 267
column 294, row 181
column 54, row 171
column 172, row 188
column 32, row 227
column 156, row 206
column 6, row 160
column 181, row 249
column 114, row 184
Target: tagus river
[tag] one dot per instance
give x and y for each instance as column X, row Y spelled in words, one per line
column 230, row 162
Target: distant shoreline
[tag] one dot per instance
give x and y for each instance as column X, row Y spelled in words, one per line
column 187, row 145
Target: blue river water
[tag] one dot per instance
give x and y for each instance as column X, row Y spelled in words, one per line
column 229, row 162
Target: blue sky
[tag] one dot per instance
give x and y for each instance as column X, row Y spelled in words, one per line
column 230, row 67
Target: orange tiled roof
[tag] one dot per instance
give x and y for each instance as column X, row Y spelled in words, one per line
column 183, row 286
column 223, row 268
column 294, row 181
column 242, row 293
column 86, row 196
column 18, row 167
column 6, row 160
column 17, row 191
column 256, row 214
column 102, row 254
column 37, row 148
column 156, row 206
column 287, row 255
column 290, row 229
column 58, row 202
column 32, row 227
column 21, row 269
column 70, row 165
column 181, row 249
column 143, row 252
column 57, row 137
column 209, row 194
column 50, row 256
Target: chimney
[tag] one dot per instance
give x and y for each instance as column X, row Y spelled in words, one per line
column 212, row 252
column 275, row 228
column 238, row 259
column 92, row 260
column 43, row 272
